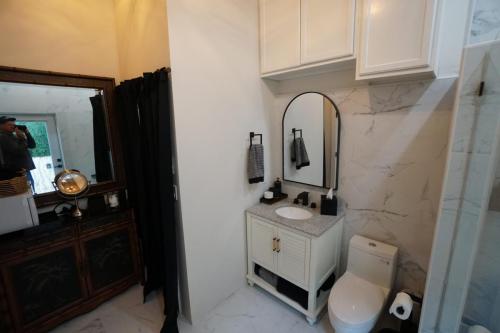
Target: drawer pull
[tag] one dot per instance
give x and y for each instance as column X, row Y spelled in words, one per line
column 278, row 245
column 274, row 244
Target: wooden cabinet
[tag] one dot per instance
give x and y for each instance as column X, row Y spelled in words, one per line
column 54, row 272
column 303, row 260
column 396, row 37
column 109, row 258
column 44, row 284
column 296, row 35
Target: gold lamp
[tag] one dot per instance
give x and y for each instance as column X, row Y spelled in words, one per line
column 71, row 184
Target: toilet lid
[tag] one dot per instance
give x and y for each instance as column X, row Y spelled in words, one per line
column 355, row 301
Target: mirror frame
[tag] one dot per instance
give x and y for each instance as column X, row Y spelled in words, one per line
column 107, row 85
column 337, row 154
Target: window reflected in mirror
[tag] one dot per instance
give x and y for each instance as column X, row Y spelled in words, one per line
column 46, row 129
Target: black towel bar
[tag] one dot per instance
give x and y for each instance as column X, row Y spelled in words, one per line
column 252, row 135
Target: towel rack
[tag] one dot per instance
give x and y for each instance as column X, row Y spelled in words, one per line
column 252, row 135
column 294, row 130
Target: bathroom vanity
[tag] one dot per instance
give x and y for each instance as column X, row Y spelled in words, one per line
column 302, row 254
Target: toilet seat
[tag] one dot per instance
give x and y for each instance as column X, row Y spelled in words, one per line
column 354, row 304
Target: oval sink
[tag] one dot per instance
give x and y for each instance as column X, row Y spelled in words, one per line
column 294, row 213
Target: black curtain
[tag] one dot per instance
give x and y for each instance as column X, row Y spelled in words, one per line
column 101, row 146
column 144, row 104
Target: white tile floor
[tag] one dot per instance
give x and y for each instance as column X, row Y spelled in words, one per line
column 247, row 310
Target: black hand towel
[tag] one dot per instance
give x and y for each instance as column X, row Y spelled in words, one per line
column 255, row 166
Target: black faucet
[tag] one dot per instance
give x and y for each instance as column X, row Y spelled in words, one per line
column 304, row 197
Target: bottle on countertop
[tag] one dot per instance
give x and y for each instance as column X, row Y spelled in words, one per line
column 277, row 187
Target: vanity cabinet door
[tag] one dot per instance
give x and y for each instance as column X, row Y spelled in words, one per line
column 396, row 36
column 110, row 258
column 263, row 244
column 293, row 257
column 43, row 285
column 327, row 29
column 279, row 34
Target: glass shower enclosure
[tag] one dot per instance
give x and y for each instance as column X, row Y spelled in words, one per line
column 463, row 282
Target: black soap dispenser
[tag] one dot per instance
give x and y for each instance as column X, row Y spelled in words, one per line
column 277, row 188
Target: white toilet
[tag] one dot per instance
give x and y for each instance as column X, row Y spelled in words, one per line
column 357, row 298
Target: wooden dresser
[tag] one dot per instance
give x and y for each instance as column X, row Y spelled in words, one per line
column 58, row 270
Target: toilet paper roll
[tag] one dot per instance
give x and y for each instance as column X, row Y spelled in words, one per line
column 478, row 329
column 402, row 305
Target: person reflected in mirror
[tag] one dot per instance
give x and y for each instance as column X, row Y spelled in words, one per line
column 15, row 158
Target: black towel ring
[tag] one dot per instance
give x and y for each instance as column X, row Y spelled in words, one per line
column 294, row 130
column 252, row 135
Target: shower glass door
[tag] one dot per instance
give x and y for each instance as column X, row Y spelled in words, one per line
column 463, row 282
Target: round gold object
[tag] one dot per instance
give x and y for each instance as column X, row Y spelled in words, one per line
column 71, row 182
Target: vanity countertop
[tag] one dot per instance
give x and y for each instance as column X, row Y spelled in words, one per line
column 314, row 226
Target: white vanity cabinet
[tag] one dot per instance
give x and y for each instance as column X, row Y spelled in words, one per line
column 304, row 260
column 396, row 38
column 303, row 35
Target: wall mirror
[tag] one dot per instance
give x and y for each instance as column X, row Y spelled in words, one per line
column 311, row 141
column 71, row 124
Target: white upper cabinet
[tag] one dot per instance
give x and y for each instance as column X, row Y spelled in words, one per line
column 327, row 29
column 299, row 35
column 396, row 37
column 279, row 34
column 380, row 38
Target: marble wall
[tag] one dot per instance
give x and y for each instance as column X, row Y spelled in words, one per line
column 393, row 150
column 485, row 21
column 466, row 192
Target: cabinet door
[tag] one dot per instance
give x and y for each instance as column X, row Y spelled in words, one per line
column 263, row 244
column 44, row 284
column 279, row 34
column 327, row 29
column 293, row 257
column 110, row 258
column 396, row 35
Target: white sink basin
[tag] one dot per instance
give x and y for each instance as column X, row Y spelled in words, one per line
column 294, row 213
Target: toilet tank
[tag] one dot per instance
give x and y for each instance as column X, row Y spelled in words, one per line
column 372, row 260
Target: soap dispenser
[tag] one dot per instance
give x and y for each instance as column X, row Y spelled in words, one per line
column 277, row 187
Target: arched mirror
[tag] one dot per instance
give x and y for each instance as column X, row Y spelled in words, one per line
column 311, row 141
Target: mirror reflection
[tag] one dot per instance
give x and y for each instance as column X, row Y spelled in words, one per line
column 311, row 138
column 46, row 129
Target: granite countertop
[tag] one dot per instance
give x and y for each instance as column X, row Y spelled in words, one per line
column 314, row 226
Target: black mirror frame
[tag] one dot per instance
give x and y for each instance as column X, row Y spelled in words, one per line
column 337, row 154
column 107, row 85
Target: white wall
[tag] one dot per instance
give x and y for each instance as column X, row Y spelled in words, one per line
column 218, row 99
column 77, row 36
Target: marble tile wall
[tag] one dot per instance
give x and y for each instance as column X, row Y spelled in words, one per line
column 466, row 190
column 393, row 151
column 485, row 21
